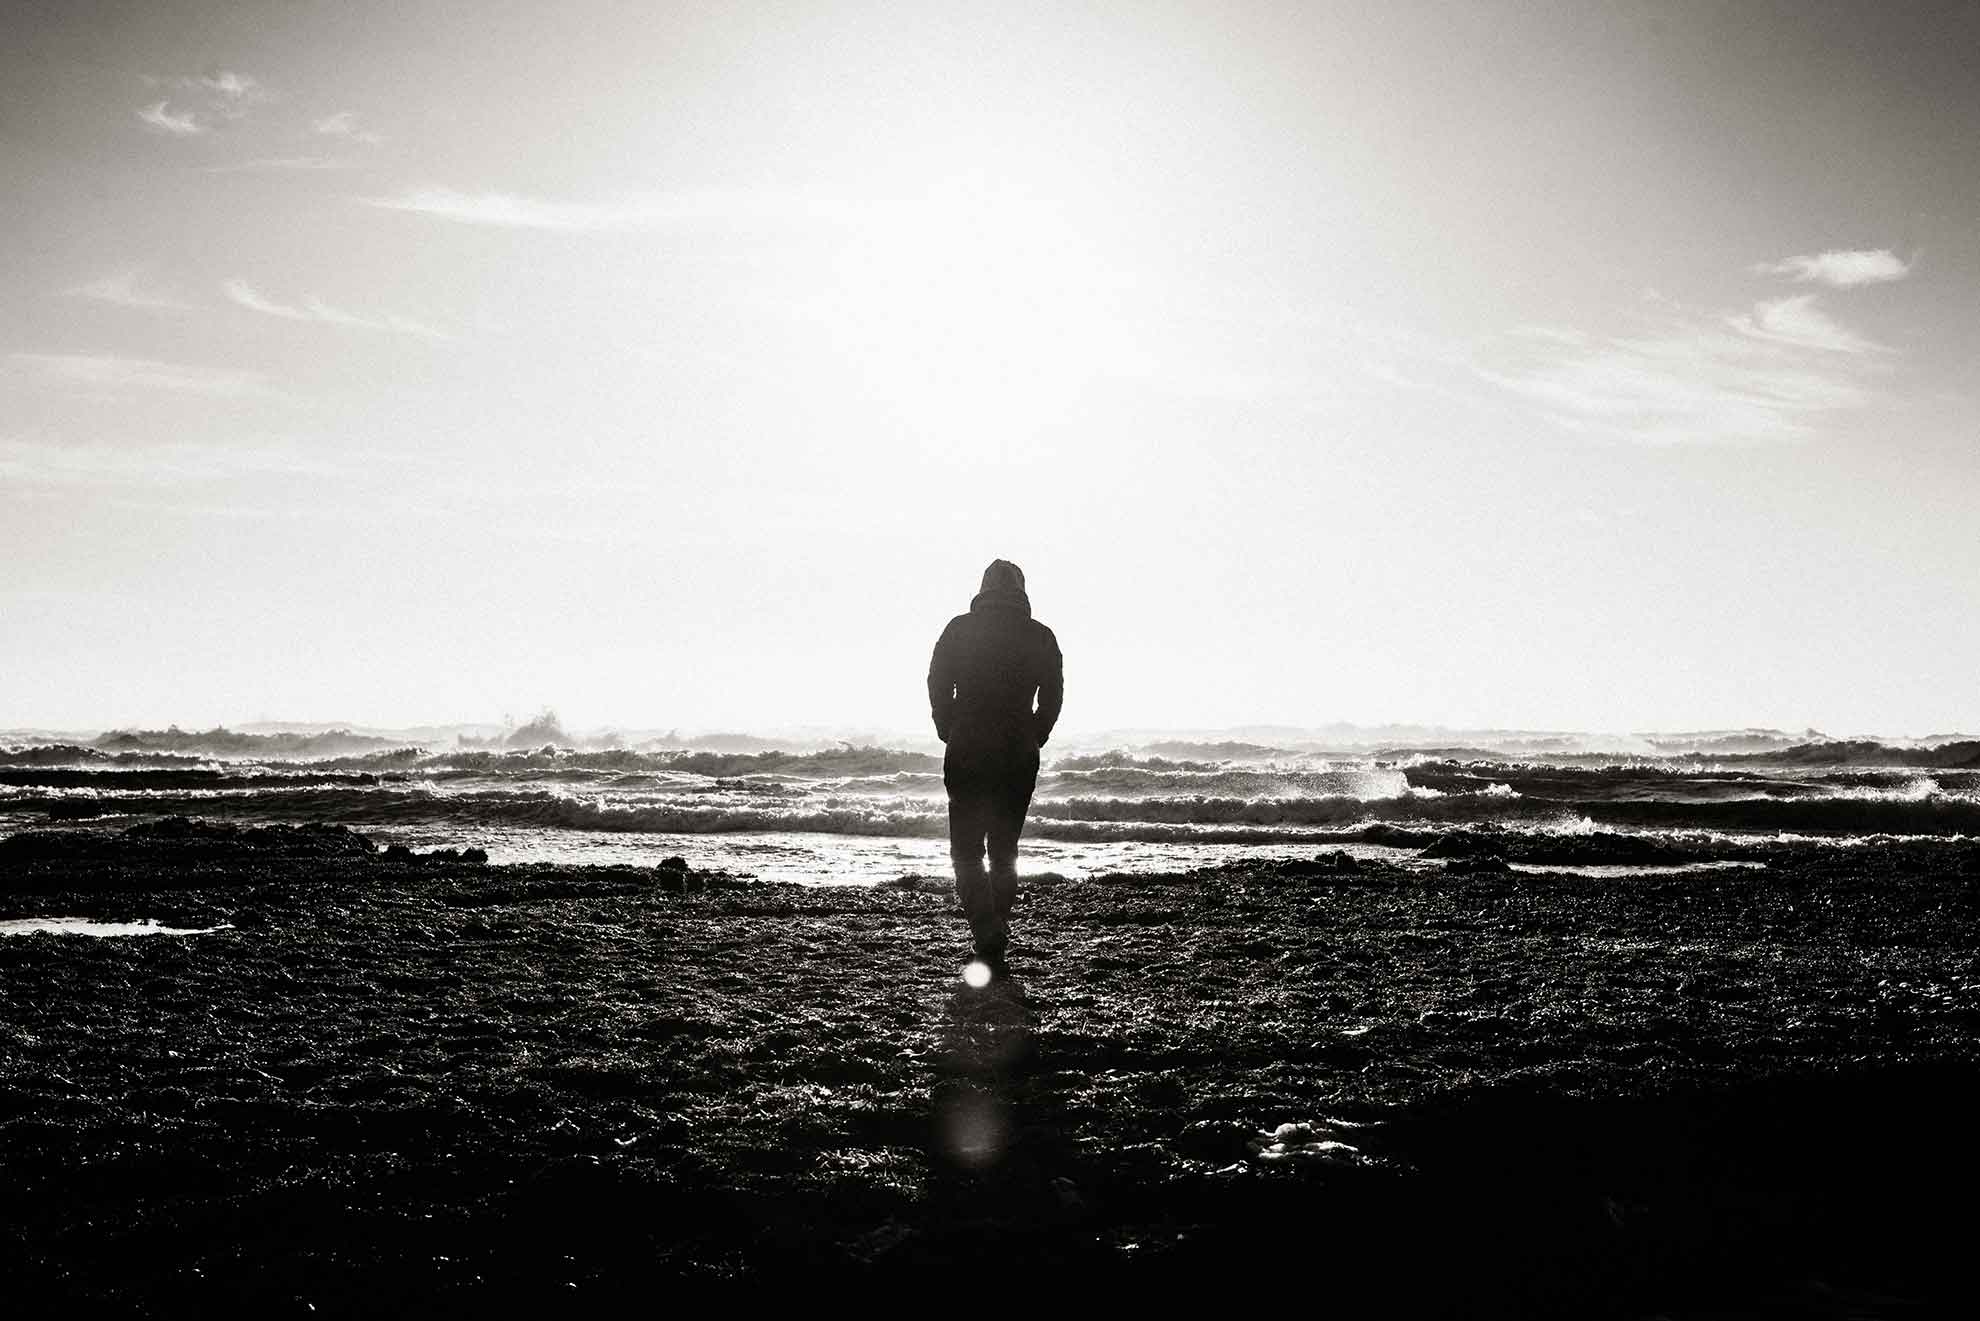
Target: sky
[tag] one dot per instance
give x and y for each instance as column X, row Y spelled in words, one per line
column 1556, row 366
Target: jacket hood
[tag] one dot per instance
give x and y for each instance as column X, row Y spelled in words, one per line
column 1002, row 599
column 1002, row 589
column 1002, row 576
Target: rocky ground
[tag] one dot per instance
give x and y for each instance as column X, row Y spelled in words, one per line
column 416, row 1085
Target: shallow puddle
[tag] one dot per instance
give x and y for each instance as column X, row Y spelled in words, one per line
column 87, row 926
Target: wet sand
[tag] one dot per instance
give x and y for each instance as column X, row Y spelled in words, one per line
column 425, row 1086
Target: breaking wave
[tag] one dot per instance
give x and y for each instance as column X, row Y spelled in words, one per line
column 729, row 808
column 1199, row 794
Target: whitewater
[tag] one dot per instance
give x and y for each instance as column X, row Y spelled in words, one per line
column 864, row 815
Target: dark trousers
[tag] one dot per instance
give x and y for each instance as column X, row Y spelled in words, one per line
column 989, row 792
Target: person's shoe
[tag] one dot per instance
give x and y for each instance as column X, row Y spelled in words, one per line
column 991, row 938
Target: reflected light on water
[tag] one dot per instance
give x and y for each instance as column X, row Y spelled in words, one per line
column 977, row 975
column 84, row 926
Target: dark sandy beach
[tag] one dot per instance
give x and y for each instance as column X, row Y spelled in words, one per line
column 420, row 1086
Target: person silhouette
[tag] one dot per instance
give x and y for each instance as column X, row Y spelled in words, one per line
column 988, row 666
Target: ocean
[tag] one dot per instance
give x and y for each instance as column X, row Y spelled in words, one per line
column 867, row 815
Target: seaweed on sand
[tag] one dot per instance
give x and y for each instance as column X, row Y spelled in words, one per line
column 1573, row 1096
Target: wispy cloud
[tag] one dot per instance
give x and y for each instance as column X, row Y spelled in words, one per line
column 129, row 288
column 62, row 464
column 515, row 212
column 109, row 372
column 1776, row 373
column 509, row 210
column 283, row 163
column 246, row 295
column 234, row 89
column 159, row 116
column 1799, row 323
column 223, row 94
column 1839, row 267
column 344, row 124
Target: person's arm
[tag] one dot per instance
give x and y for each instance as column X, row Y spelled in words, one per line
column 942, row 682
column 1051, row 688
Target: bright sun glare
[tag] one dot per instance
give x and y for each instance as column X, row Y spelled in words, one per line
column 972, row 297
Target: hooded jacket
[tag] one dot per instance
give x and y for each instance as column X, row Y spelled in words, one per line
column 991, row 663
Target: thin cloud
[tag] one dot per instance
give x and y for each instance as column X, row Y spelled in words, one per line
column 1775, row 373
column 159, row 116
column 283, row 163
column 110, row 372
column 1842, row 268
column 223, row 94
column 232, row 88
column 344, row 124
column 57, row 464
column 128, row 289
column 243, row 294
column 512, row 211
column 1800, row 323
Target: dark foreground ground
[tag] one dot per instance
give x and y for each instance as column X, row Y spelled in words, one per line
column 428, row 1087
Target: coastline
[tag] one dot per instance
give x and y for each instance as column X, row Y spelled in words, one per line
column 420, row 1085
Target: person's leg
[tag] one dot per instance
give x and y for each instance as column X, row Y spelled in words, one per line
column 969, row 824
column 1012, row 800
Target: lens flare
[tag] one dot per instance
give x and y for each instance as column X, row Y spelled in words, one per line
column 974, row 1127
column 977, row 975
